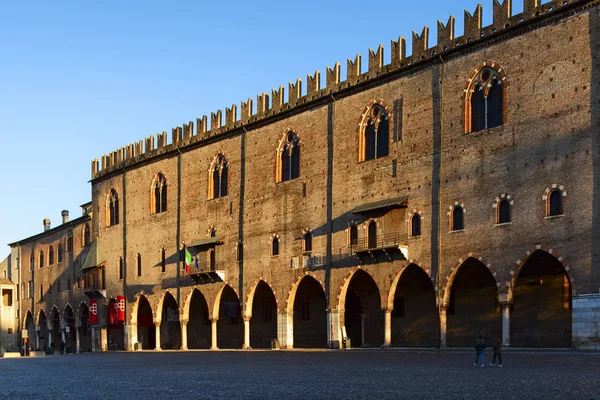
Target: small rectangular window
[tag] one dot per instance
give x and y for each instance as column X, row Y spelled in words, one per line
column 7, row 297
column 303, row 189
column 10, row 331
column 397, row 136
column 394, row 167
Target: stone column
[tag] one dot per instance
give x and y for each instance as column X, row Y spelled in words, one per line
column 335, row 340
column 246, row 345
column 93, row 334
column 77, row 340
column 49, row 338
column 157, row 335
column 443, row 326
column 505, row 324
column 103, row 339
column 184, row 345
column 213, row 335
column 285, row 329
column 387, row 341
column 37, row 337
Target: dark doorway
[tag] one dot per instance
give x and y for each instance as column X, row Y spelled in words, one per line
column 364, row 319
column 263, row 325
column 541, row 309
column 70, row 345
column 170, row 327
column 230, row 327
column 43, row 333
column 415, row 318
column 310, row 315
column 473, row 308
column 145, row 325
column 85, row 334
column 116, row 338
column 198, row 326
column 56, row 337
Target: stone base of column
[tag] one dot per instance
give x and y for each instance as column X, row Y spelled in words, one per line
column 246, row 347
column 214, row 348
column 184, row 348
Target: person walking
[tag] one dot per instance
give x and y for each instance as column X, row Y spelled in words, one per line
column 497, row 353
column 479, row 349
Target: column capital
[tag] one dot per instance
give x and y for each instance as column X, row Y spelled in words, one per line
column 184, row 321
column 247, row 317
column 213, row 319
column 387, row 310
column 505, row 304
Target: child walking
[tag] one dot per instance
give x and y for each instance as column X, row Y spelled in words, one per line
column 497, row 353
column 479, row 349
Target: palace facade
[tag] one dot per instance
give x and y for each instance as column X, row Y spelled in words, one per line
column 448, row 194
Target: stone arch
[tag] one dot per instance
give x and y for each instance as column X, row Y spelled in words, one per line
column 135, row 306
column 555, row 187
column 39, row 315
column 159, row 307
column 540, row 295
column 340, row 299
column 448, row 281
column 471, row 299
column 519, row 264
column 250, row 297
column 69, row 320
column 144, row 331
column 230, row 327
column 27, row 313
column 360, row 309
column 396, row 278
column 294, row 290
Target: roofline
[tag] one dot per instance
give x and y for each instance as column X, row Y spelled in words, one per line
column 83, row 218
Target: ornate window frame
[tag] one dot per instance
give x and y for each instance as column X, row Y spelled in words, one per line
column 476, row 78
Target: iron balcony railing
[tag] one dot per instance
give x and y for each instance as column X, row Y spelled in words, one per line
column 378, row 242
column 201, row 267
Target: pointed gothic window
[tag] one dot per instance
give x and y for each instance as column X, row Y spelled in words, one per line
column 112, row 208
column 218, row 179
column 159, row 194
column 375, row 134
column 485, row 100
column 288, row 162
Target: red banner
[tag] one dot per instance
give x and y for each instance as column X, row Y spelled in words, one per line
column 120, row 308
column 93, row 312
column 112, row 312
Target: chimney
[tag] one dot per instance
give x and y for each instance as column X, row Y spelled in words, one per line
column 65, row 216
column 46, row 222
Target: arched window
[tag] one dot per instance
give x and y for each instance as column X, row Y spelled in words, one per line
column 415, row 225
column 485, row 100
column 121, row 269
column 218, row 178
column 288, row 161
column 555, row 203
column 86, row 235
column 70, row 240
column 112, row 208
column 275, row 246
column 60, row 253
column 139, row 264
column 372, row 235
column 503, row 212
column 163, row 261
column 353, row 235
column 51, row 256
column 31, row 262
column 307, row 242
column 159, row 194
column 41, row 258
column 375, row 134
column 458, row 218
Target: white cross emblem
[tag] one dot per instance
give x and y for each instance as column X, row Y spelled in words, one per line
column 94, row 309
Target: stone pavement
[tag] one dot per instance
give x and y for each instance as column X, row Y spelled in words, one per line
column 360, row 374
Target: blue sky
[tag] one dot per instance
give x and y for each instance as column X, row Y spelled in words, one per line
column 79, row 79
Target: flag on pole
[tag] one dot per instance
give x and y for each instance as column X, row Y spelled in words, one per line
column 197, row 263
column 188, row 261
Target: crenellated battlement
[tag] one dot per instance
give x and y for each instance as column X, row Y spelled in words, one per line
column 269, row 105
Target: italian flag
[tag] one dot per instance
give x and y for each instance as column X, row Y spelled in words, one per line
column 188, row 261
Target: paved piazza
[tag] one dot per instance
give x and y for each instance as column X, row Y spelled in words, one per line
column 370, row 374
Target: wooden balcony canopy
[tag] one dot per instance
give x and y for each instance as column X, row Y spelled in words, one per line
column 207, row 242
column 396, row 202
column 94, row 257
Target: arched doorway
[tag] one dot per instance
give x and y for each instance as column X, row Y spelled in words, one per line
column 70, row 345
column 56, row 337
column 170, row 327
column 473, row 308
column 43, row 342
column 30, row 328
column 230, row 327
column 116, row 339
column 363, row 317
column 541, row 308
column 145, row 325
column 198, row 326
column 85, row 334
column 310, row 315
column 263, row 324
column 415, row 318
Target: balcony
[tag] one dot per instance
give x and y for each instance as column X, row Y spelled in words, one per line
column 206, row 272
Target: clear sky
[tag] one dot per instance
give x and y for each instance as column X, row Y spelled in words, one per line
column 79, row 79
